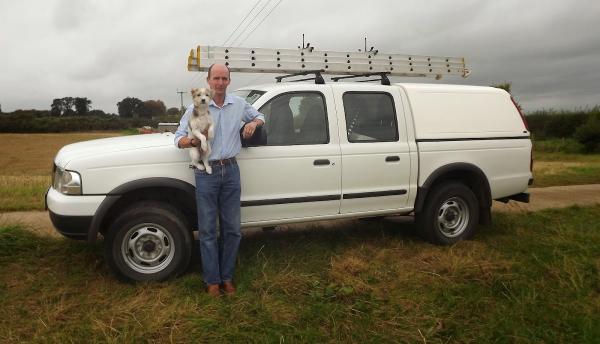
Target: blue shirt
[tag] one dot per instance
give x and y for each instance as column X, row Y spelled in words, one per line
column 228, row 122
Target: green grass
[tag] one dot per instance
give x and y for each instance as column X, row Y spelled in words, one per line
column 559, row 162
column 19, row 193
column 556, row 163
column 526, row 278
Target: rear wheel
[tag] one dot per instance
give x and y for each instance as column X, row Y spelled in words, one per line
column 450, row 214
column 150, row 241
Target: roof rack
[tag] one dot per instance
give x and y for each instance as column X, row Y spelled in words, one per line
column 318, row 77
column 383, row 77
column 295, row 62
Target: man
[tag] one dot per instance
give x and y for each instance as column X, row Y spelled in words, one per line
column 219, row 193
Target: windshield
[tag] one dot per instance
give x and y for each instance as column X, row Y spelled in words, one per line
column 250, row 95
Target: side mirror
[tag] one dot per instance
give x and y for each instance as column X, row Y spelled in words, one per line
column 258, row 139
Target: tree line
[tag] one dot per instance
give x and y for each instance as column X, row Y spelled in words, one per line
column 582, row 125
column 75, row 114
column 129, row 107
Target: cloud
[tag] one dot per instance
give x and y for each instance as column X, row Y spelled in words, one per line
column 108, row 50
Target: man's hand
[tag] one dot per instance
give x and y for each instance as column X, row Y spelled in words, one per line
column 249, row 128
column 190, row 143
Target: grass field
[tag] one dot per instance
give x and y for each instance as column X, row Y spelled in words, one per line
column 23, row 181
column 528, row 278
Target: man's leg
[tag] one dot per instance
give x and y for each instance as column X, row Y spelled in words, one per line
column 207, row 192
column 229, row 219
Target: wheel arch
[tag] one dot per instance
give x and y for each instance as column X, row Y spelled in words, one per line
column 467, row 173
column 174, row 191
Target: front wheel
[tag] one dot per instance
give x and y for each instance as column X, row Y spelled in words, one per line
column 450, row 214
column 150, row 241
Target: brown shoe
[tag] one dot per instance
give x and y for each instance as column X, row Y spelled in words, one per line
column 228, row 288
column 213, row 290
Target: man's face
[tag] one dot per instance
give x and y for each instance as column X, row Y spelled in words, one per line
column 219, row 79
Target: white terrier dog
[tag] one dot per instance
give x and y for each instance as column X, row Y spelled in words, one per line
column 201, row 127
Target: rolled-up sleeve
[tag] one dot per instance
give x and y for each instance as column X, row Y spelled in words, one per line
column 182, row 130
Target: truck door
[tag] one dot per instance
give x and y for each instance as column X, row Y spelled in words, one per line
column 375, row 151
column 294, row 169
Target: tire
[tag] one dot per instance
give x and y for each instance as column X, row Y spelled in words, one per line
column 450, row 214
column 150, row 241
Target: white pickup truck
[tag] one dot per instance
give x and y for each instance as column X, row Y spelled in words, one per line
column 339, row 150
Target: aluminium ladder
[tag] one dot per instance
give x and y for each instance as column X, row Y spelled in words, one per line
column 309, row 60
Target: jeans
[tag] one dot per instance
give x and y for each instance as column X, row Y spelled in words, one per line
column 219, row 193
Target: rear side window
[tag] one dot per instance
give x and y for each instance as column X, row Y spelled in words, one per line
column 370, row 117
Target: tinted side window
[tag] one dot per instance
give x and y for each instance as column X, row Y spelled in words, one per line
column 370, row 117
column 295, row 119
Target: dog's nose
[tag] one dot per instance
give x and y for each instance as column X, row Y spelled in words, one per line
column 203, row 100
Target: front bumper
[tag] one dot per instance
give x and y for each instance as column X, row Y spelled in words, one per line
column 72, row 215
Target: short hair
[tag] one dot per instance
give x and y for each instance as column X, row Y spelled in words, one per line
column 210, row 68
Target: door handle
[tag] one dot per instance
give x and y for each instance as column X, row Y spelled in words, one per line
column 319, row 162
column 392, row 158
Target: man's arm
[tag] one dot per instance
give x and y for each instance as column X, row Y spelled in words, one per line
column 253, row 118
column 181, row 135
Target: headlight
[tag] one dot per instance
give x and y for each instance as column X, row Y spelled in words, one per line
column 66, row 182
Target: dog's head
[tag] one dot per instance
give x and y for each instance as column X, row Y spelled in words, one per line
column 202, row 96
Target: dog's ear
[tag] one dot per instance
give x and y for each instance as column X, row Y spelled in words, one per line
column 194, row 91
column 211, row 92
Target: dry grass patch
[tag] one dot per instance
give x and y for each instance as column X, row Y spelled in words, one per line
column 33, row 154
column 26, row 166
column 286, row 281
column 555, row 167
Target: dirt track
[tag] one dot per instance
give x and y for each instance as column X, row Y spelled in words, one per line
column 541, row 198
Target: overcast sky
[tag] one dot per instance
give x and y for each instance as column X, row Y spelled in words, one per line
column 108, row 50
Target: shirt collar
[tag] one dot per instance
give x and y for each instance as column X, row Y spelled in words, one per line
column 228, row 100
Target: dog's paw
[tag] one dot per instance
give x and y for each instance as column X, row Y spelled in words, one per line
column 200, row 167
column 208, row 169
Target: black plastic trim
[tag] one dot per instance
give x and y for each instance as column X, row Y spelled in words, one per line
column 73, row 227
column 475, row 139
column 153, row 183
column 423, row 190
column 374, row 194
column 101, row 212
column 290, row 200
column 522, row 197
column 113, row 196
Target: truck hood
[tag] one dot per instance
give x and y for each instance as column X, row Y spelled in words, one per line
column 90, row 148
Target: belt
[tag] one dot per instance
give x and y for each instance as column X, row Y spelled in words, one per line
column 222, row 162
